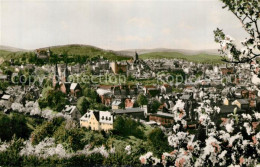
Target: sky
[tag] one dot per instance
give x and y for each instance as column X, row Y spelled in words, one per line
column 116, row 25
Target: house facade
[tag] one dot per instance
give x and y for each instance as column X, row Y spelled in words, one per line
column 97, row 120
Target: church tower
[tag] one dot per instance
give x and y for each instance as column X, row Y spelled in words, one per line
column 55, row 81
column 136, row 56
column 66, row 73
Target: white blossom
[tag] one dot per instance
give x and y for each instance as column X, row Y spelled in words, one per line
column 128, row 149
column 248, row 128
column 229, row 126
column 246, row 116
column 233, row 138
column 257, row 115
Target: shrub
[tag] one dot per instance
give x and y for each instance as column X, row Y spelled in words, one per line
column 13, row 125
column 157, row 140
column 126, row 126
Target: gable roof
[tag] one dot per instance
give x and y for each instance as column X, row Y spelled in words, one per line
column 105, row 117
column 166, row 85
column 105, row 87
column 69, row 109
column 73, row 86
column 87, row 115
column 226, row 109
column 6, row 97
column 185, row 97
column 163, row 114
column 116, row 102
column 96, row 114
column 102, row 92
column 128, row 110
column 3, row 77
column 243, row 101
column 149, row 86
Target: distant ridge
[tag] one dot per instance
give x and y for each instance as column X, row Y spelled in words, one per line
column 209, row 55
column 11, row 49
column 126, row 52
column 129, row 52
column 71, row 45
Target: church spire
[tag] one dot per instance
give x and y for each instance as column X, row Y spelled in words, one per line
column 136, row 56
column 66, row 72
column 55, row 81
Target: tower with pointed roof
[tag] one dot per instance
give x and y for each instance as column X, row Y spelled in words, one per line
column 55, row 81
column 136, row 56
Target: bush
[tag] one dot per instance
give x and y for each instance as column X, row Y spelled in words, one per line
column 11, row 157
column 154, row 106
column 54, row 99
column 158, row 142
column 122, row 159
column 83, row 160
column 46, row 129
column 98, row 106
column 90, row 94
column 71, row 138
column 93, row 138
column 142, row 99
column 13, row 125
column 126, row 126
column 42, row 131
column 82, row 105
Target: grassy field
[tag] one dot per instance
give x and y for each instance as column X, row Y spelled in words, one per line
column 4, row 54
column 1, row 60
column 200, row 58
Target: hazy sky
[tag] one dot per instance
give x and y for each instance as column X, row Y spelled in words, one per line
column 121, row 24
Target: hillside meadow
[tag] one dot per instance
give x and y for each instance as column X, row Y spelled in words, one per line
column 198, row 58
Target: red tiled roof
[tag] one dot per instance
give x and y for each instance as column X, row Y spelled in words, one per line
column 106, row 86
column 149, row 86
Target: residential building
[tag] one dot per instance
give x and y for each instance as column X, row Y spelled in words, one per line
column 72, row 112
column 97, row 120
column 162, row 118
column 90, row 120
column 241, row 103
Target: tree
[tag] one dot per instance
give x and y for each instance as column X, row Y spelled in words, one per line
column 121, row 159
column 126, row 126
column 142, row 99
column 119, row 124
column 46, row 129
column 11, row 156
column 5, row 124
column 88, row 70
column 154, row 106
column 54, row 59
column 70, row 137
column 82, row 105
column 4, row 85
column 19, row 126
column 54, row 99
column 98, row 106
column 248, row 12
column 90, row 94
column 42, row 131
column 13, row 125
column 158, row 141
column 84, row 160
